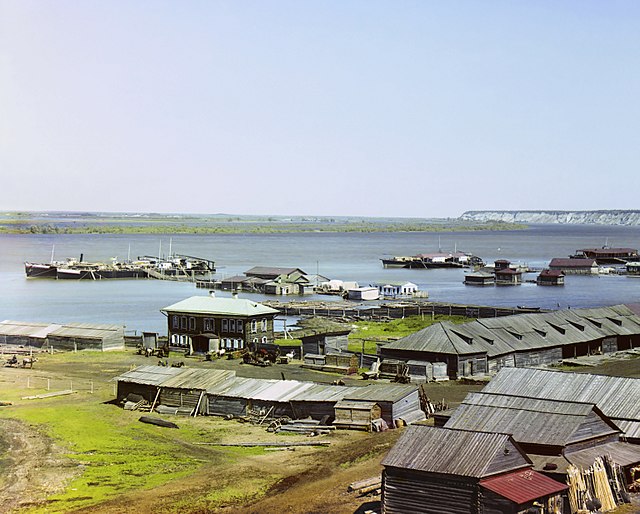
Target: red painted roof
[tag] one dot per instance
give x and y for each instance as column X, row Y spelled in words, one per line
column 523, row 486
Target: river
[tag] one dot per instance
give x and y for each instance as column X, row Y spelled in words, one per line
column 346, row 256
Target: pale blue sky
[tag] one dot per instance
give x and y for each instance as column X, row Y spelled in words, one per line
column 369, row 108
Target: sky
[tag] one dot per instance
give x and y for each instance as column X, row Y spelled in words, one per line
column 355, row 108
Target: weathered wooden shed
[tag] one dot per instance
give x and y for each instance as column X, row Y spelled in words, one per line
column 270, row 398
column 325, row 342
column 480, row 278
column 345, row 363
column 143, row 381
column 436, row 470
column 550, row 277
column 188, row 388
column 356, row 415
column 87, row 336
column 318, row 401
column 399, row 403
column 539, row 426
column 485, row 345
column 63, row 336
column 616, row 397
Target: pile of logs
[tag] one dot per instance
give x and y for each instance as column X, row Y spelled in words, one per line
column 368, row 486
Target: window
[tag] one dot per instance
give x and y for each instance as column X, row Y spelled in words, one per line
column 239, row 326
column 264, row 325
column 235, row 344
column 209, row 325
column 192, row 323
column 232, row 325
column 241, row 343
column 264, row 340
column 183, row 322
column 175, row 321
column 225, row 325
column 254, row 326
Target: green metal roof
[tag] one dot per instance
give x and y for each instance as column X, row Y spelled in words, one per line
column 214, row 305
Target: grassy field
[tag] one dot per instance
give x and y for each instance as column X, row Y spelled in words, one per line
column 81, row 453
column 372, row 332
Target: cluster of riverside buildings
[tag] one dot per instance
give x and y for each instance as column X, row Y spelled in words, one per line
column 506, row 449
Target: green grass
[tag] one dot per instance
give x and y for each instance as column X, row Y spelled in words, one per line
column 371, row 332
column 115, row 452
column 288, row 342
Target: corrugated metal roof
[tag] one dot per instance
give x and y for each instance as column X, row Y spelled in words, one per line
column 322, row 393
column 624, row 454
column 196, row 378
column 211, row 305
column 442, row 450
column 381, row 393
column 523, row 486
column 27, row 329
column 617, row 397
column 86, row 330
column 43, row 330
column 532, row 421
column 148, row 375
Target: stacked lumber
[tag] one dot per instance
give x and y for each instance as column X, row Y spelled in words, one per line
column 371, row 485
column 601, row 486
column 300, row 426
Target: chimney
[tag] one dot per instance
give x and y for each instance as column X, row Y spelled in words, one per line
column 212, row 293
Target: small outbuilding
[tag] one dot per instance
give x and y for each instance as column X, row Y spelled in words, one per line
column 356, row 415
column 63, row 336
column 550, row 277
column 363, row 293
column 479, row 278
column 437, row 470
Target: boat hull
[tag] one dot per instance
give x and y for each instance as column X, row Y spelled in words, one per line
column 40, row 270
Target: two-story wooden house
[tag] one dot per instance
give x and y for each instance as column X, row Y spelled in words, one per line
column 208, row 324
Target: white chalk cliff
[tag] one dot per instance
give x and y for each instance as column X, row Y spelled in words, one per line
column 561, row 217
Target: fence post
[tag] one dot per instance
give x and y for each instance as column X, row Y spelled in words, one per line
column 92, row 387
column 48, row 384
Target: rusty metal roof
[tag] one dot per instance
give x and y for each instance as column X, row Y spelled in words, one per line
column 523, row 486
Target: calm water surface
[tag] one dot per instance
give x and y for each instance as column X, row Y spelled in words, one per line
column 346, row 256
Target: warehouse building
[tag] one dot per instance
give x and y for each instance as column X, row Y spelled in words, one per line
column 484, row 346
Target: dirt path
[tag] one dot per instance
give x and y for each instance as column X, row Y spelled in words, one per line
column 32, row 467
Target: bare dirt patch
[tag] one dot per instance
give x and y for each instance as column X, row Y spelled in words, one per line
column 34, row 467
